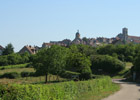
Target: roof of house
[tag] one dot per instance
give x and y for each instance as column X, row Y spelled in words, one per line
column 117, row 40
column 30, row 49
column 134, row 37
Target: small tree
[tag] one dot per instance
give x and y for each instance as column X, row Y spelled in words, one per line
column 9, row 49
column 51, row 60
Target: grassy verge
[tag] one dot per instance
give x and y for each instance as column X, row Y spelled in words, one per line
column 98, row 95
column 60, row 91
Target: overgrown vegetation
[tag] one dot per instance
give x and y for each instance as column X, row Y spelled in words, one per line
column 61, row 91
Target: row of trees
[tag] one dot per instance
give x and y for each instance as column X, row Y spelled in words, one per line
column 14, row 58
column 8, row 56
column 123, row 52
column 9, row 49
column 77, row 58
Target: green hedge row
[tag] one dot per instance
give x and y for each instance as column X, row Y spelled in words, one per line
column 14, row 75
column 27, row 65
column 59, row 91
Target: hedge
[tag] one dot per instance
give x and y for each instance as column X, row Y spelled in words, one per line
column 10, row 75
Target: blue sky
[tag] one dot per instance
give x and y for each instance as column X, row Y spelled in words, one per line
column 32, row 22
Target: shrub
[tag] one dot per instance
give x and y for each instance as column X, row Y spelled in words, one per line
column 29, row 65
column 11, row 75
column 14, row 66
column 106, row 64
column 68, row 74
column 27, row 74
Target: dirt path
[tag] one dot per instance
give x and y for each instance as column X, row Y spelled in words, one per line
column 129, row 91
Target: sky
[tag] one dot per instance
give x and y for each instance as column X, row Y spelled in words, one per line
column 32, row 22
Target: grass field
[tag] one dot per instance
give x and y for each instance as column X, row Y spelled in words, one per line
column 31, row 80
column 26, row 80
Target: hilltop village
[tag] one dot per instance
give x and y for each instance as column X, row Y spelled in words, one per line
column 121, row 38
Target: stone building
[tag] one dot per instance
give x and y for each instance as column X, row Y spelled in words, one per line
column 124, row 37
column 77, row 39
column 29, row 49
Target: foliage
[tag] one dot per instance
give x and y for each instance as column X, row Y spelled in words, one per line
column 106, row 64
column 13, row 59
column 80, row 63
column 68, row 74
column 9, row 49
column 136, row 63
column 27, row 74
column 15, row 66
column 83, row 49
column 122, row 52
column 61, row 91
column 51, row 60
column 11, row 75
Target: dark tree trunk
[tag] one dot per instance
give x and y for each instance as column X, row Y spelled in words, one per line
column 46, row 79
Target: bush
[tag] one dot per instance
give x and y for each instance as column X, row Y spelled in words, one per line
column 27, row 74
column 60, row 91
column 29, row 65
column 68, row 74
column 106, row 64
column 14, row 66
column 11, row 75
column 13, row 59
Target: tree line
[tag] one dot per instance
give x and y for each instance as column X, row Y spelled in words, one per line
column 82, row 59
column 9, row 57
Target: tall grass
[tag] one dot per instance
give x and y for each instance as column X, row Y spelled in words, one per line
column 58, row 91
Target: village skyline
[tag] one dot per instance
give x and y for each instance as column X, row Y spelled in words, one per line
column 34, row 22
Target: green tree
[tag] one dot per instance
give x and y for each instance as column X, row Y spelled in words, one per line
column 51, row 60
column 136, row 63
column 107, row 64
column 78, row 62
column 84, row 49
column 9, row 49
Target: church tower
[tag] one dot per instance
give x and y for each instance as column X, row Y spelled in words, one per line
column 77, row 35
column 125, row 34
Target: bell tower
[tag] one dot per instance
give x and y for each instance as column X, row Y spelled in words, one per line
column 125, row 34
column 77, row 35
